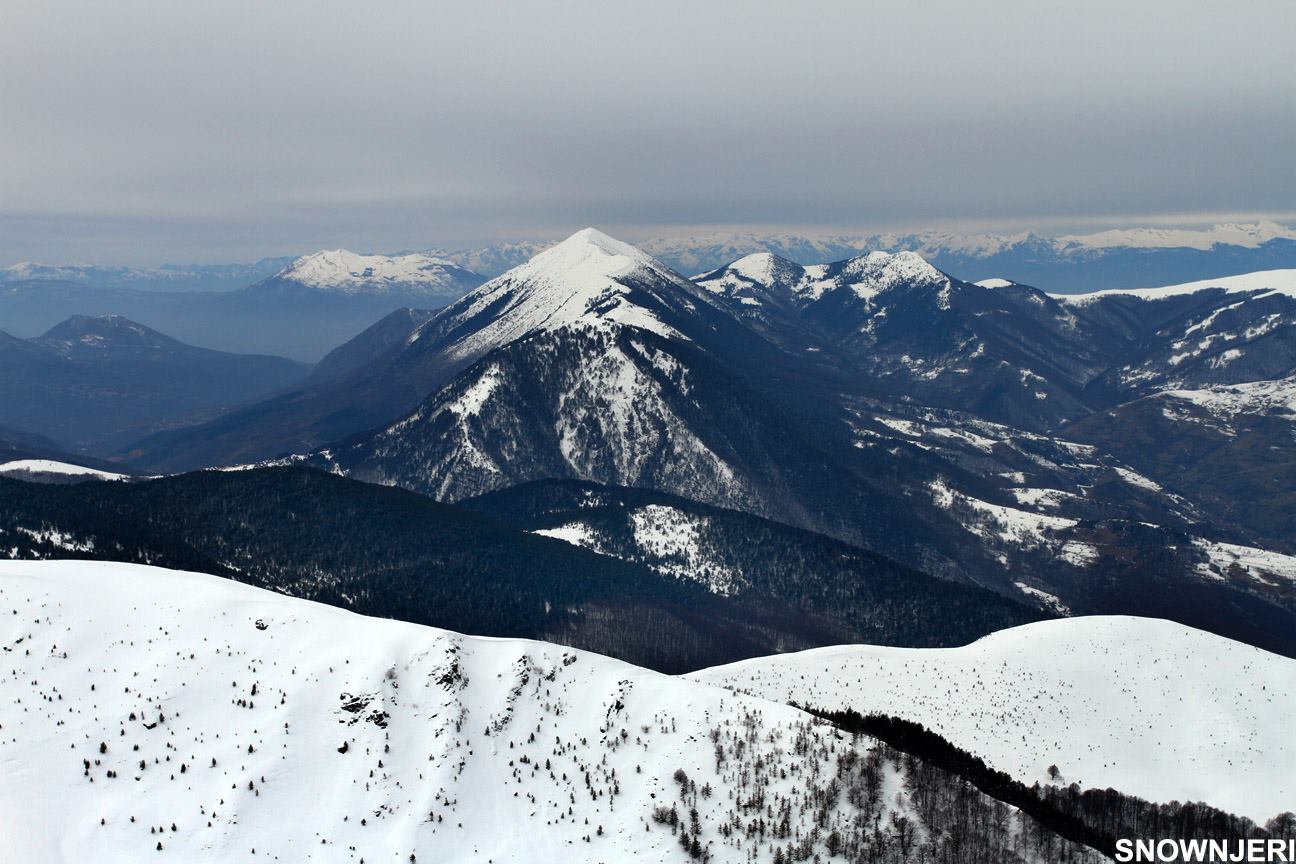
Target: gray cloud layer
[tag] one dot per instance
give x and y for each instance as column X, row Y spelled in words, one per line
column 149, row 131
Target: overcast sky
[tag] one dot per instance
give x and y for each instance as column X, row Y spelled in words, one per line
column 219, row 130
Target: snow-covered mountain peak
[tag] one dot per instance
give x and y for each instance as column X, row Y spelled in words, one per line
column 764, row 267
column 341, row 271
column 589, row 279
column 755, row 278
column 588, row 255
column 886, row 269
column 871, row 274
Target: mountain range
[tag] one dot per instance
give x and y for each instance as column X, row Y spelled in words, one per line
column 1080, row 501
column 878, row 401
column 301, row 310
column 1118, row 258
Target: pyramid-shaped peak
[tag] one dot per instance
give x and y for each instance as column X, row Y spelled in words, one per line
column 590, row 244
column 588, row 257
column 602, row 242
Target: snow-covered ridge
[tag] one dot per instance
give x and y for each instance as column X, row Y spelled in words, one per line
column 871, row 274
column 1249, row 235
column 157, row 715
column 347, row 272
column 866, row 275
column 50, row 466
column 1278, row 281
column 1149, row 707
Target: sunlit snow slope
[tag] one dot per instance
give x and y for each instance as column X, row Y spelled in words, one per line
column 1148, row 707
column 1278, row 281
column 154, row 715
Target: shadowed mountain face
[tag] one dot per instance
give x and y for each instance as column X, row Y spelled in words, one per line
column 93, row 384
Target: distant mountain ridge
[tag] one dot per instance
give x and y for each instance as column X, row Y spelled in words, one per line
column 302, row 309
column 1113, row 258
column 97, row 383
column 413, row 277
column 168, row 277
column 1121, row 258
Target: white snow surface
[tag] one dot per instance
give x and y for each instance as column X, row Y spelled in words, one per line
column 575, row 533
column 347, row 272
column 243, row 725
column 995, row 282
column 51, row 466
column 1279, row 281
column 1146, row 706
column 580, row 280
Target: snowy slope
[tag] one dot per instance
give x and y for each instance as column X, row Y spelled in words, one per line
column 1279, row 281
column 1151, row 708
column 50, row 466
column 343, row 272
column 175, row 716
column 1257, row 397
column 668, row 537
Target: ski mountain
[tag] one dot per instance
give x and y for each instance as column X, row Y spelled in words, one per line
column 164, row 714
